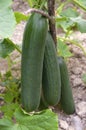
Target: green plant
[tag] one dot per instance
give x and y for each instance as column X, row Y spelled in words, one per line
column 67, row 19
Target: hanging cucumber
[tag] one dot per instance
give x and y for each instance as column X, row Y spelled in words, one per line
column 51, row 74
column 66, row 101
column 32, row 61
column 43, row 104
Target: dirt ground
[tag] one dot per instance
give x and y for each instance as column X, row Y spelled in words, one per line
column 76, row 67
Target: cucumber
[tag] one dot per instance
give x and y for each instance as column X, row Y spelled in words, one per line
column 51, row 74
column 32, row 61
column 66, row 101
column 43, row 104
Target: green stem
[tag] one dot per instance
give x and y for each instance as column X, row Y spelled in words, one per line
column 80, row 5
column 75, row 43
column 14, row 45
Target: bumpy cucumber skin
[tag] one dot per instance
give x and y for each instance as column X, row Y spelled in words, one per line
column 32, row 61
column 43, row 104
column 51, row 74
column 66, row 101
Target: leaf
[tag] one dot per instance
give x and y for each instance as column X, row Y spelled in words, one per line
column 5, row 3
column 5, row 122
column 65, row 24
column 63, row 49
column 7, row 22
column 80, row 24
column 20, row 17
column 8, row 109
column 69, row 12
column 6, row 47
column 44, row 120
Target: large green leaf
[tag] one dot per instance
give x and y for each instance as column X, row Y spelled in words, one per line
column 45, row 120
column 7, row 22
column 5, row 3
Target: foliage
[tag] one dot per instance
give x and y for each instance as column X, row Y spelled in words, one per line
column 16, row 118
column 23, row 121
column 7, row 19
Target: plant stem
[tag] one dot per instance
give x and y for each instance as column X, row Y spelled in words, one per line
column 75, row 43
column 40, row 12
column 51, row 12
column 15, row 46
column 79, row 4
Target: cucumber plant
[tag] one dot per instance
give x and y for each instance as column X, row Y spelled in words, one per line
column 66, row 19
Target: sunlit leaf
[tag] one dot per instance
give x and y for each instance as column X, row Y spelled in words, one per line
column 20, row 17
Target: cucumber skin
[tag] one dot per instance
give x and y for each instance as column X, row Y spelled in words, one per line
column 43, row 104
column 51, row 74
column 32, row 61
column 66, row 101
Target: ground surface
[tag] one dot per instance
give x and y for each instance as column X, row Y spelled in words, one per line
column 76, row 67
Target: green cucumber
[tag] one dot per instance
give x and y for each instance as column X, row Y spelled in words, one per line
column 66, row 101
column 43, row 104
column 32, row 61
column 51, row 74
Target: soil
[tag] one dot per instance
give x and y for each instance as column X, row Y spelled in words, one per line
column 76, row 67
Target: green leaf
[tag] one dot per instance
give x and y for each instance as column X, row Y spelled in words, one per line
column 20, row 17
column 5, row 3
column 6, row 47
column 5, row 122
column 63, row 49
column 65, row 24
column 7, row 22
column 8, row 109
column 80, row 24
column 70, row 12
column 44, row 120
